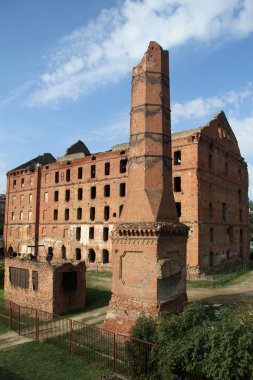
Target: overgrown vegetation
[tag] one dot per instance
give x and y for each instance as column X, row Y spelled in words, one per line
column 41, row 361
column 199, row 344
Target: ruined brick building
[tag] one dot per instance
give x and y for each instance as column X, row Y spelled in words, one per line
column 67, row 207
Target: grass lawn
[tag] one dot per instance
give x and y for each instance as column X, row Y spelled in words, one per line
column 228, row 280
column 98, row 291
column 44, row 362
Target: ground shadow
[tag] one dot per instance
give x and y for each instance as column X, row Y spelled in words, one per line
column 96, row 298
column 229, row 299
column 6, row 374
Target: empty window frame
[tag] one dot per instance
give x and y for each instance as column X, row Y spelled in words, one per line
column 93, row 171
column 210, row 210
column 211, row 234
column 78, row 254
column 56, row 196
column 79, row 213
column 67, row 195
column 120, row 209
column 46, row 197
column 50, row 251
column 105, row 256
column 92, row 213
column 55, row 214
column 22, row 182
column 80, row 173
column 177, row 157
column 66, row 214
column 224, row 211
column 177, row 184
column 211, row 259
column 107, row 168
column 93, row 192
column 122, row 189
column 35, row 280
column 19, row 277
column 106, row 212
column 68, row 175
column 91, row 255
column 29, row 215
column 105, row 233
column 63, row 252
column 78, row 233
column 30, row 198
column 14, row 184
column 106, row 190
column 91, row 233
column 123, row 165
column 56, row 177
column 178, row 207
column 80, row 194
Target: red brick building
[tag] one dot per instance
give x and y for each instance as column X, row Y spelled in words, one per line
column 68, row 207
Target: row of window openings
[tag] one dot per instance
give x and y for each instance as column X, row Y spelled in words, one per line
column 92, row 213
column 78, row 254
column 21, row 215
column 211, row 257
column 123, row 165
column 14, row 184
column 93, row 193
column 92, row 233
column 230, row 234
column 30, row 198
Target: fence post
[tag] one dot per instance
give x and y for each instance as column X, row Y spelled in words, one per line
column 37, row 324
column 10, row 321
column 71, row 347
column 19, row 319
column 213, row 279
column 115, row 353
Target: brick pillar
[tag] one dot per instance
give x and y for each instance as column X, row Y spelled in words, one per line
column 149, row 243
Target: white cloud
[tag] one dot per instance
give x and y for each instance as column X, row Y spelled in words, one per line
column 103, row 50
column 2, row 176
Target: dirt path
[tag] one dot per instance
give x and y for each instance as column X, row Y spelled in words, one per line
column 11, row 339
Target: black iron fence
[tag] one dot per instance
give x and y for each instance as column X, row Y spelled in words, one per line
column 118, row 353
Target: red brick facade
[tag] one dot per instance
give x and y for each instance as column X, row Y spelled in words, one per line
column 72, row 213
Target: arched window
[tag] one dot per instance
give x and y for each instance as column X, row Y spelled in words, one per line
column 91, row 255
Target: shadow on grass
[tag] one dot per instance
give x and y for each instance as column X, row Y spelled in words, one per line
column 7, row 374
column 96, row 298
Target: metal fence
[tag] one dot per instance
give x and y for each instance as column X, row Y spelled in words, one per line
column 118, row 353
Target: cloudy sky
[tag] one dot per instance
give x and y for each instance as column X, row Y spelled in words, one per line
column 65, row 71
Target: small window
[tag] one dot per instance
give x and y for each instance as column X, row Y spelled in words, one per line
column 105, row 256
column 46, row 197
column 123, row 165
column 55, row 214
column 211, row 259
column 66, row 214
column 178, row 207
column 79, row 213
column 14, row 183
column 211, row 234
column 239, row 196
column 63, row 252
column 68, row 175
column 240, row 215
column 177, row 184
column 106, row 212
column 30, row 198
column 19, row 277
column 12, row 216
column 105, row 233
column 91, row 233
column 93, row 192
column 122, row 189
column 22, row 182
column 67, row 195
column 56, row 196
column 78, row 233
column 107, row 168
column 120, row 209
column 21, row 215
column 50, row 251
column 29, row 215
column 80, row 173
column 91, row 255
column 210, row 161
column 78, row 254
column 224, row 211
column 80, row 194
column 93, row 171
column 177, row 157
column 210, row 210
column 92, row 213
column 56, row 177
column 107, row 190
column 35, row 280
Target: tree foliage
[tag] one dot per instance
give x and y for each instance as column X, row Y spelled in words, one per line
column 201, row 344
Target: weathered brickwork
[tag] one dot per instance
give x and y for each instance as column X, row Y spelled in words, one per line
column 209, row 179
column 41, row 285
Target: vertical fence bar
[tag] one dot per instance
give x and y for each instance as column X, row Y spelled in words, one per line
column 114, row 353
column 71, row 338
column 19, row 319
column 10, row 315
column 37, row 326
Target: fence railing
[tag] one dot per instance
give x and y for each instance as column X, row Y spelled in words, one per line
column 118, row 353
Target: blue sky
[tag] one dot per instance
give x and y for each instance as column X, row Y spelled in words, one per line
column 65, row 70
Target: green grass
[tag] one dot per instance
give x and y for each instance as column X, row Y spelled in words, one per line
column 227, row 280
column 41, row 361
column 1, row 279
column 97, row 293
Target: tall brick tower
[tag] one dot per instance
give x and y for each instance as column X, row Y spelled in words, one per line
column 149, row 243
